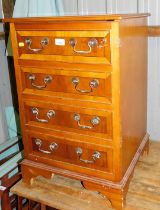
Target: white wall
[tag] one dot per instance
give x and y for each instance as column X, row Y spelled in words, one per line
column 121, row 6
column 153, row 7
column 5, row 89
column 88, row 7
column 70, row 7
column 84, row 7
column 5, row 93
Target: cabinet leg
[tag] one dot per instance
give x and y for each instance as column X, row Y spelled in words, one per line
column 119, row 204
column 29, row 173
column 146, row 149
column 116, row 197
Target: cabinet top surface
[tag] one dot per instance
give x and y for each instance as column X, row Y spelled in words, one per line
column 106, row 17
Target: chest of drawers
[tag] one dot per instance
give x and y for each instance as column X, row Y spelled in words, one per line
column 82, row 88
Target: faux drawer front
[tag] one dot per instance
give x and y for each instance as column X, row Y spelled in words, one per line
column 49, row 149
column 66, row 46
column 81, row 83
column 69, row 118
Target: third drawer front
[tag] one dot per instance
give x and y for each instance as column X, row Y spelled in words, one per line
column 49, row 149
column 69, row 118
column 80, row 83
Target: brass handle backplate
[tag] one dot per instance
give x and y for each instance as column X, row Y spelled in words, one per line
column 53, row 146
column 94, row 121
column 43, row 42
column 96, row 155
column 47, row 79
column 94, row 83
column 91, row 44
column 50, row 114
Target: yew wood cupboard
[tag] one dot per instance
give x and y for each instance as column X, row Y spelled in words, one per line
column 82, row 87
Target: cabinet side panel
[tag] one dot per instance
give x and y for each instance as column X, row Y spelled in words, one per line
column 133, row 85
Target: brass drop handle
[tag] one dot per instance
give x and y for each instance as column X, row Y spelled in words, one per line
column 96, row 155
column 43, row 43
column 94, row 121
column 47, row 79
column 53, row 146
column 91, row 44
column 93, row 84
column 50, row 114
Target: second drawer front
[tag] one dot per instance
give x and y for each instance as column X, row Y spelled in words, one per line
column 81, row 83
column 81, row 120
column 50, row 149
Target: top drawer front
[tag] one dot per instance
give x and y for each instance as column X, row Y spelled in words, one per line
column 65, row 46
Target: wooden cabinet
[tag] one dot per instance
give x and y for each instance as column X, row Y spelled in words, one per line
column 82, row 87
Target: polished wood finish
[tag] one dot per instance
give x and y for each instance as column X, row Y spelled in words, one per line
column 103, row 89
column 153, row 31
column 110, row 17
column 143, row 192
column 135, row 95
column 99, row 129
column 53, row 49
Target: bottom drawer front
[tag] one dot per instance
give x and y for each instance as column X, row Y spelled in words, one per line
column 51, row 150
